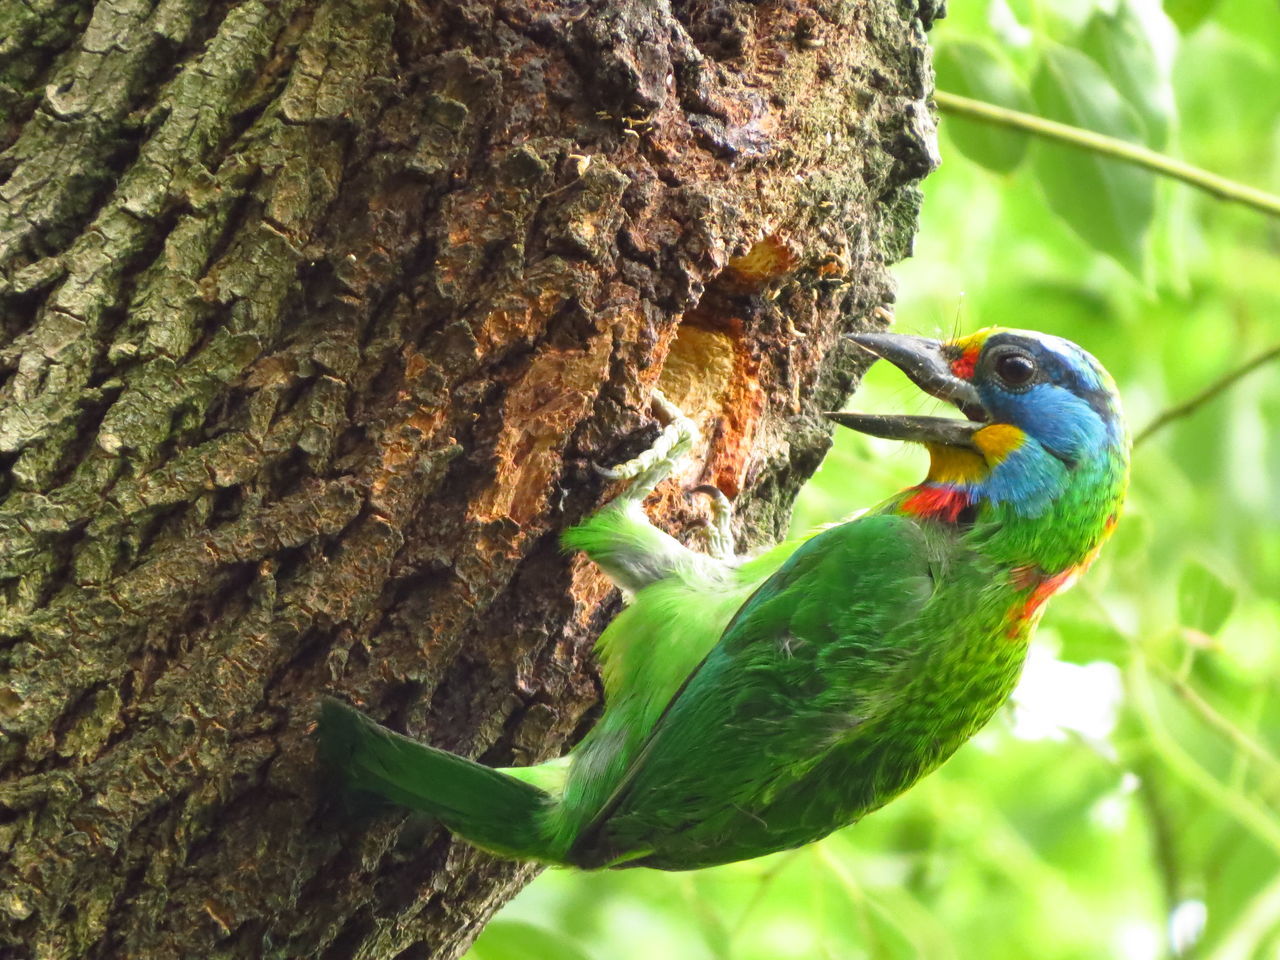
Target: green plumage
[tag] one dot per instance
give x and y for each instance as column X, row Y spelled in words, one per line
column 495, row 811
column 757, row 705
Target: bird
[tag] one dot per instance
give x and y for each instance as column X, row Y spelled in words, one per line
column 756, row 704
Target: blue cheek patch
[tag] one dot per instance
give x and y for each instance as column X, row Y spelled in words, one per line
column 1029, row 479
column 1058, row 418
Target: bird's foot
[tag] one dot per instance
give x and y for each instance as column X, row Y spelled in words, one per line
column 720, row 531
column 653, row 466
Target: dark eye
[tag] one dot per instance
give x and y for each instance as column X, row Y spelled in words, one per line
column 1015, row 369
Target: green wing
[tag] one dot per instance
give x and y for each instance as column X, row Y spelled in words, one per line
column 813, row 657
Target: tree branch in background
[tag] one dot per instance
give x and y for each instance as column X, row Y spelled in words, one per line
column 1258, row 820
column 1215, row 721
column 1110, row 147
column 1187, row 407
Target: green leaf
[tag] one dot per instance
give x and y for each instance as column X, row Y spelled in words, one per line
column 516, row 940
column 1189, row 14
column 1108, row 203
column 1119, row 43
column 1205, row 600
column 1087, row 640
column 975, row 70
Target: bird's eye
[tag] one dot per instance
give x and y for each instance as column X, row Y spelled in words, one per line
column 1015, row 369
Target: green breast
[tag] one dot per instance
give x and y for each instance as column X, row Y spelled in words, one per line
column 924, row 685
column 967, row 667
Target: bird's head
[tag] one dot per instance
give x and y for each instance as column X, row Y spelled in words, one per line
column 1043, row 430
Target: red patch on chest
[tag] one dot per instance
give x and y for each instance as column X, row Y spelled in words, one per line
column 1045, row 589
column 936, row 503
column 1043, row 586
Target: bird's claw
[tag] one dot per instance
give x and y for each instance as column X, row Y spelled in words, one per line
column 720, row 530
column 654, row 465
column 609, row 473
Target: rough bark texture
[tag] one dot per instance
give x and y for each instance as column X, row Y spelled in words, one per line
column 313, row 315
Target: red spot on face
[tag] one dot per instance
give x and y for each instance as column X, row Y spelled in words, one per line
column 936, row 503
column 962, row 366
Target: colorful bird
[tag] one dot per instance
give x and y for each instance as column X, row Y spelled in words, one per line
column 752, row 705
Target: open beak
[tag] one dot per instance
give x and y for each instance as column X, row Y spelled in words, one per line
column 924, row 362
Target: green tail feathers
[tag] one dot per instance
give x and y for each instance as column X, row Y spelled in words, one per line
column 488, row 808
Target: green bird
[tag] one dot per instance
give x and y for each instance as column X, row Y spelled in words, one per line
column 754, row 705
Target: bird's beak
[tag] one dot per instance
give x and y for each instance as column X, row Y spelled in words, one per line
column 924, row 361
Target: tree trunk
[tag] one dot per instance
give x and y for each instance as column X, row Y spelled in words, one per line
column 314, row 315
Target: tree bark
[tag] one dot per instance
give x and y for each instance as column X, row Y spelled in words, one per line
column 313, row 316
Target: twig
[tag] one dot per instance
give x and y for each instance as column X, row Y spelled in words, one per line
column 1180, row 410
column 919, row 938
column 1246, row 937
column 1258, row 821
column 1163, row 837
column 1110, row 147
column 1214, row 720
column 717, row 937
column 765, row 880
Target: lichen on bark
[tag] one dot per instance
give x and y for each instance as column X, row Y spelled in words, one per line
column 313, row 316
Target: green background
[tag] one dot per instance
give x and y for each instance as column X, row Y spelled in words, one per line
column 1127, row 803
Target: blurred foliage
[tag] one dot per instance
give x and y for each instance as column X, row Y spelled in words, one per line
column 1127, row 804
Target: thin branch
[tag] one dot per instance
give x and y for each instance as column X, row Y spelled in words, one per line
column 921, row 937
column 1109, row 147
column 1262, row 823
column 1214, row 720
column 1177, row 411
column 1257, row 921
column 717, row 937
column 1164, row 834
column 763, row 883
